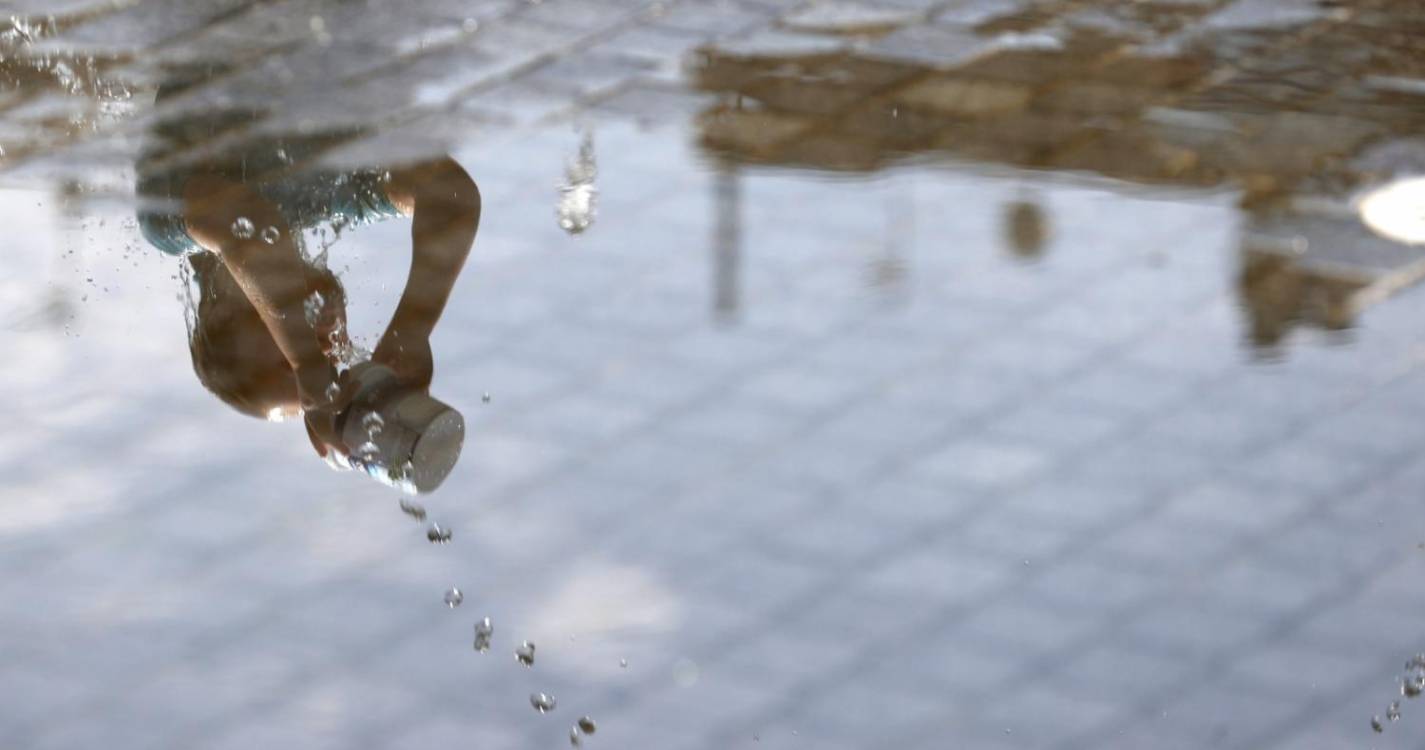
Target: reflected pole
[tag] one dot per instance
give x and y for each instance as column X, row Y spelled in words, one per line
column 727, row 242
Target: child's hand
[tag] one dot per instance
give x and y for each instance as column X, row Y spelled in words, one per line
column 321, row 430
column 408, row 356
column 321, row 410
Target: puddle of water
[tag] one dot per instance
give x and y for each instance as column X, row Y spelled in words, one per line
column 868, row 307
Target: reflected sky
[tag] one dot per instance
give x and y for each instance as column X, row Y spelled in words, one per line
column 1008, row 375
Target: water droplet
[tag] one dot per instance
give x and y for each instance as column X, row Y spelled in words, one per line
column 542, row 702
column 1392, row 711
column 623, row 663
column 413, row 509
column 578, row 195
column 243, row 228
column 270, row 235
column 453, row 597
column 486, row 397
column 484, row 630
column 525, row 654
column 438, row 534
column 586, row 725
column 1376, row 725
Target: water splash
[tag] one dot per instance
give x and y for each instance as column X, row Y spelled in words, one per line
column 312, row 307
column 578, row 196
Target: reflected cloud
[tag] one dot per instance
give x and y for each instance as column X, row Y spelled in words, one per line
column 606, row 606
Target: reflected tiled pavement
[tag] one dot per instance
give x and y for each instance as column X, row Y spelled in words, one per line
column 865, row 477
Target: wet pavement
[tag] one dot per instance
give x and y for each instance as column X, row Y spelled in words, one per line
column 841, row 375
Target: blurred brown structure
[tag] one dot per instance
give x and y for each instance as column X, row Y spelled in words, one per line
column 1289, row 103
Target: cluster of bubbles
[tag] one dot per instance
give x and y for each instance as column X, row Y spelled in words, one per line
column 584, row 726
column 1412, row 684
column 244, row 229
column 485, row 630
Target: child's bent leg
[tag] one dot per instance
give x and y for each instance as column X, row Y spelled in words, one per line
column 271, row 274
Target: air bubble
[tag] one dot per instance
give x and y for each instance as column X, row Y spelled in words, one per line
column 578, row 196
column 413, row 509
column 270, row 235
column 453, row 597
column 243, row 228
column 542, row 702
column 373, row 423
column 438, row 534
column 484, row 630
column 525, row 654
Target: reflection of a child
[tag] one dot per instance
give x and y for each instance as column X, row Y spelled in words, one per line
column 255, row 344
